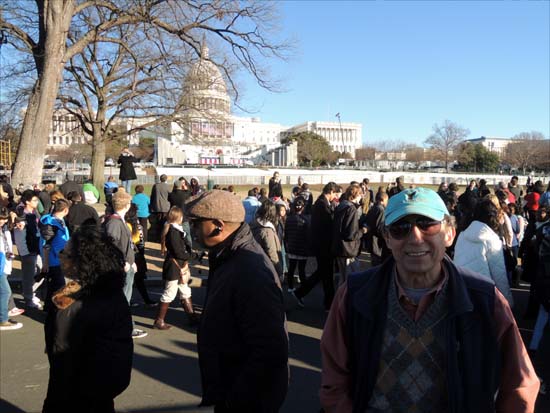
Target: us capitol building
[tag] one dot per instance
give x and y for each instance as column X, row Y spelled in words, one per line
column 205, row 131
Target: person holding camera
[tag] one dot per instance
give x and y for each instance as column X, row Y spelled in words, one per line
column 127, row 172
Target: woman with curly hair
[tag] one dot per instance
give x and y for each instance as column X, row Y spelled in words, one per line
column 89, row 333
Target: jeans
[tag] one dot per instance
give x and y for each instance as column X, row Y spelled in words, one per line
column 129, row 285
column 127, row 186
column 301, row 271
column 5, row 292
column 28, row 268
column 542, row 320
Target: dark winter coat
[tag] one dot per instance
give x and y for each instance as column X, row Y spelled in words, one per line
column 78, row 213
column 374, row 238
column 178, row 252
column 178, row 197
column 275, row 188
column 90, row 349
column 159, row 197
column 321, row 227
column 242, row 342
column 127, row 171
column 297, row 232
column 345, row 231
column 71, row 186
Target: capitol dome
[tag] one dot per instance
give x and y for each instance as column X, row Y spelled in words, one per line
column 204, row 89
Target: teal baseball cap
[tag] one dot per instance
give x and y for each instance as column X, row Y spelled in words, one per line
column 417, row 201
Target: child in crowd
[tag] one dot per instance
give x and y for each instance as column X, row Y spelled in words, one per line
column 175, row 271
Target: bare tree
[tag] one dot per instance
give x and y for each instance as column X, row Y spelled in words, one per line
column 41, row 30
column 525, row 150
column 445, row 139
column 365, row 153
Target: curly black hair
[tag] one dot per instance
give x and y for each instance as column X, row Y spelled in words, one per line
column 97, row 264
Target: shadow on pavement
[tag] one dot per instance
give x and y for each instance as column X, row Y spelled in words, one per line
column 6, row 406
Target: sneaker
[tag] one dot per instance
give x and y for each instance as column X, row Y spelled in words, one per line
column 37, row 305
column 291, row 290
column 10, row 325
column 14, row 312
column 137, row 333
column 298, row 299
column 36, row 285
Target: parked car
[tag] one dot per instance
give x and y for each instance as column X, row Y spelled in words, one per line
column 110, row 162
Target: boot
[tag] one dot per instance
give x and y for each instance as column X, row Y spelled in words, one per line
column 159, row 321
column 187, row 305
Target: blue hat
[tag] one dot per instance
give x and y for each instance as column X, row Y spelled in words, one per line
column 417, row 201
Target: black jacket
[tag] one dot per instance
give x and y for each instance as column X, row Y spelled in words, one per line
column 242, row 342
column 374, row 238
column 71, row 186
column 345, row 231
column 78, row 213
column 178, row 252
column 297, row 231
column 275, row 188
column 178, row 197
column 472, row 349
column 321, row 227
column 127, row 171
column 90, row 349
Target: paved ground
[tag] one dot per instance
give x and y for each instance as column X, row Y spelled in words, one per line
column 165, row 377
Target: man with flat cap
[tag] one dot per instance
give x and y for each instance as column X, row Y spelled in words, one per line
column 419, row 334
column 242, row 339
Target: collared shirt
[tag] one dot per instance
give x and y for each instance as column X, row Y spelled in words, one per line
column 417, row 310
column 519, row 383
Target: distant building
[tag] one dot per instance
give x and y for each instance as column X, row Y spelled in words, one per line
column 346, row 137
column 492, row 143
column 205, row 131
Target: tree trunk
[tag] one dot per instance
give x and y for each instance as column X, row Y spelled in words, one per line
column 37, row 123
column 98, row 160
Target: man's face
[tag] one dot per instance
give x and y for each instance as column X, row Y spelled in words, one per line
column 420, row 252
column 204, row 231
column 514, row 182
column 276, row 176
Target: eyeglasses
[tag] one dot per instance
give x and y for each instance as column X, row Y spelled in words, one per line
column 400, row 230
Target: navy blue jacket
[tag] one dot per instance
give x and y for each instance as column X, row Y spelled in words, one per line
column 472, row 349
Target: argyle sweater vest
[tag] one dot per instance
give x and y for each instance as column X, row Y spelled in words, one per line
column 411, row 375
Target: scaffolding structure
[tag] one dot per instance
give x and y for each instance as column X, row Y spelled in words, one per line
column 5, row 154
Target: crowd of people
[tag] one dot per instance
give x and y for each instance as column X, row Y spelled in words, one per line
column 440, row 262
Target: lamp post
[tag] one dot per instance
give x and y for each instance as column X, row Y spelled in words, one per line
column 341, row 133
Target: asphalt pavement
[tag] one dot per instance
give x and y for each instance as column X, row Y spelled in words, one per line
column 165, row 375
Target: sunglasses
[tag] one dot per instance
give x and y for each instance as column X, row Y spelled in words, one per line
column 400, row 230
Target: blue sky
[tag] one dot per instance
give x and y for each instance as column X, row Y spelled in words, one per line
column 398, row 67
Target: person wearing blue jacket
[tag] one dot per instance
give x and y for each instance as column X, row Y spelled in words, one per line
column 54, row 235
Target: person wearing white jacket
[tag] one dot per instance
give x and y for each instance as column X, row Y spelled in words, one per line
column 480, row 249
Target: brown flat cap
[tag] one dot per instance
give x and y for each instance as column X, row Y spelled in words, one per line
column 215, row 204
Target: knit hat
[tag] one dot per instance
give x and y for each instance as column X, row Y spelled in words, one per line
column 417, row 201
column 215, row 204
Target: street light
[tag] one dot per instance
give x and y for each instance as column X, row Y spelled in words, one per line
column 341, row 133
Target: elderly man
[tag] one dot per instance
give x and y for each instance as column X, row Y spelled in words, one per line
column 421, row 334
column 242, row 340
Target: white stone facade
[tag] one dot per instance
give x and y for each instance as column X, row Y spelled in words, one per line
column 492, row 143
column 344, row 137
